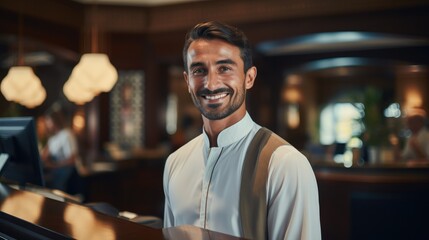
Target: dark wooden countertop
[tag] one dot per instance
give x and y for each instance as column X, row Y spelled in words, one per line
column 26, row 214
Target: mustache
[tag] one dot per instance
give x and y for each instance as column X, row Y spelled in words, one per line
column 206, row 91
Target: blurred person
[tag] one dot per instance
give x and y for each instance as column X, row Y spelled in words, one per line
column 60, row 154
column 202, row 179
column 417, row 144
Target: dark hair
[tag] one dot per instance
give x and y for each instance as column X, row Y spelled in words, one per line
column 56, row 115
column 217, row 30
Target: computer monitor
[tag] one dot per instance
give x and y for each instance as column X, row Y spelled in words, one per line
column 19, row 148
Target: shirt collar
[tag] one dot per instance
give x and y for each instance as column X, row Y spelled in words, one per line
column 232, row 133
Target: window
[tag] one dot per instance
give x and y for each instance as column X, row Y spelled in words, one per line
column 339, row 122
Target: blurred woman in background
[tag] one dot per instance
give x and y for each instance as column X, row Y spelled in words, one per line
column 60, row 153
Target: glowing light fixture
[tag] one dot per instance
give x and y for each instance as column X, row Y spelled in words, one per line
column 96, row 71
column 92, row 75
column 293, row 118
column 21, row 85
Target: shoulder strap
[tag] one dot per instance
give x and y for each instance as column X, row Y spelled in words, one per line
column 253, row 206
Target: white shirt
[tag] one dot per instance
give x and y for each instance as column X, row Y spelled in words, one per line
column 202, row 186
column 62, row 145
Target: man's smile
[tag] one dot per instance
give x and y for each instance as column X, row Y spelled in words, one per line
column 215, row 96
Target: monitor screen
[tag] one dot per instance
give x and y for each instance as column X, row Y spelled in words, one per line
column 19, row 146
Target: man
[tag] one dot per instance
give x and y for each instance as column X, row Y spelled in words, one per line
column 202, row 179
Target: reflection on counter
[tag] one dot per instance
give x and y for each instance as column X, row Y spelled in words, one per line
column 46, row 218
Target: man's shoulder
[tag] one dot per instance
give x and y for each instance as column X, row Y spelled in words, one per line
column 193, row 144
column 185, row 155
column 270, row 137
column 282, row 150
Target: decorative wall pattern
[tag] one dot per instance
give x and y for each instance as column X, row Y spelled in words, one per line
column 127, row 110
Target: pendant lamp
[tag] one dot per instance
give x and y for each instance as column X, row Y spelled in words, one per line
column 21, row 85
column 92, row 75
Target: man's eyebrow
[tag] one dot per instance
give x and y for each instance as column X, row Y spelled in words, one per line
column 196, row 64
column 226, row 61
column 201, row 64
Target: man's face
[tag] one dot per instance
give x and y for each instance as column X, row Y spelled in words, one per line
column 216, row 78
column 49, row 124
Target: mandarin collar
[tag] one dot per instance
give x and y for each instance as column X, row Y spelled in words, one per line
column 232, row 133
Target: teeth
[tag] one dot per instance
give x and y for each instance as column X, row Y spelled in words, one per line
column 214, row 97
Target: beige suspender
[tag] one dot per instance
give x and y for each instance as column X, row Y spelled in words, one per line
column 253, row 206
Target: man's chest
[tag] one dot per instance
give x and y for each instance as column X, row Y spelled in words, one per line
column 207, row 184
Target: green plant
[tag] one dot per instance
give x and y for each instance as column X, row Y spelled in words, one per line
column 372, row 118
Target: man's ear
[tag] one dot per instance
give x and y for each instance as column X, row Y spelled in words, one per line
column 185, row 76
column 250, row 77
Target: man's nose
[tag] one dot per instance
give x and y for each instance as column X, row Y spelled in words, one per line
column 212, row 82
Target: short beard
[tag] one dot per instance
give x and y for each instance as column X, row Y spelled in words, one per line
column 215, row 115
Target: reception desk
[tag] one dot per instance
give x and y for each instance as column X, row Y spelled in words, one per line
column 28, row 214
column 387, row 201
column 379, row 201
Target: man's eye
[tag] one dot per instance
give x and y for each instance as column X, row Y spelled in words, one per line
column 198, row 71
column 224, row 69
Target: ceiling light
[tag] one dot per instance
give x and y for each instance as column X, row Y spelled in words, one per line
column 93, row 74
column 21, row 85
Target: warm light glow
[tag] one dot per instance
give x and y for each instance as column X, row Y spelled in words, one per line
column 293, row 119
column 21, row 85
column 413, row 98
column 293, row 80
column 78, row 122
column 84, row 225
column 76, row 93
column 18, row 205
column 292, row 95
column 97, row 69
column 415, row 68
column 92, row 75
column 35, row 99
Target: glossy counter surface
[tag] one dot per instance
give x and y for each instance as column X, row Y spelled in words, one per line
column 29, row 215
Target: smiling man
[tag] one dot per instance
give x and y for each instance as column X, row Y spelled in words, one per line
column 203, row 180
